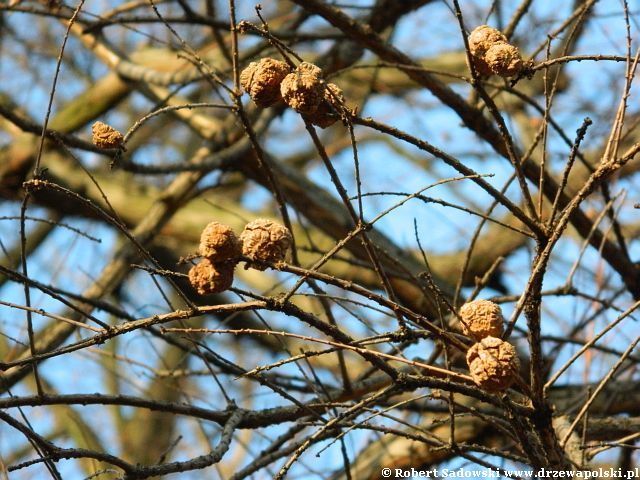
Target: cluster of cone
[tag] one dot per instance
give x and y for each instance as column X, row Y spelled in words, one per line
column 492, row 54
column 303, row 89
column 493, row 363
column 262, row 240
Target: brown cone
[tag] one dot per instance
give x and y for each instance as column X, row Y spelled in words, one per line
column 266, row 241
column 262, row 80
column 208, row 278
column 493, row 364
column 105, row 136
column 219, row 243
